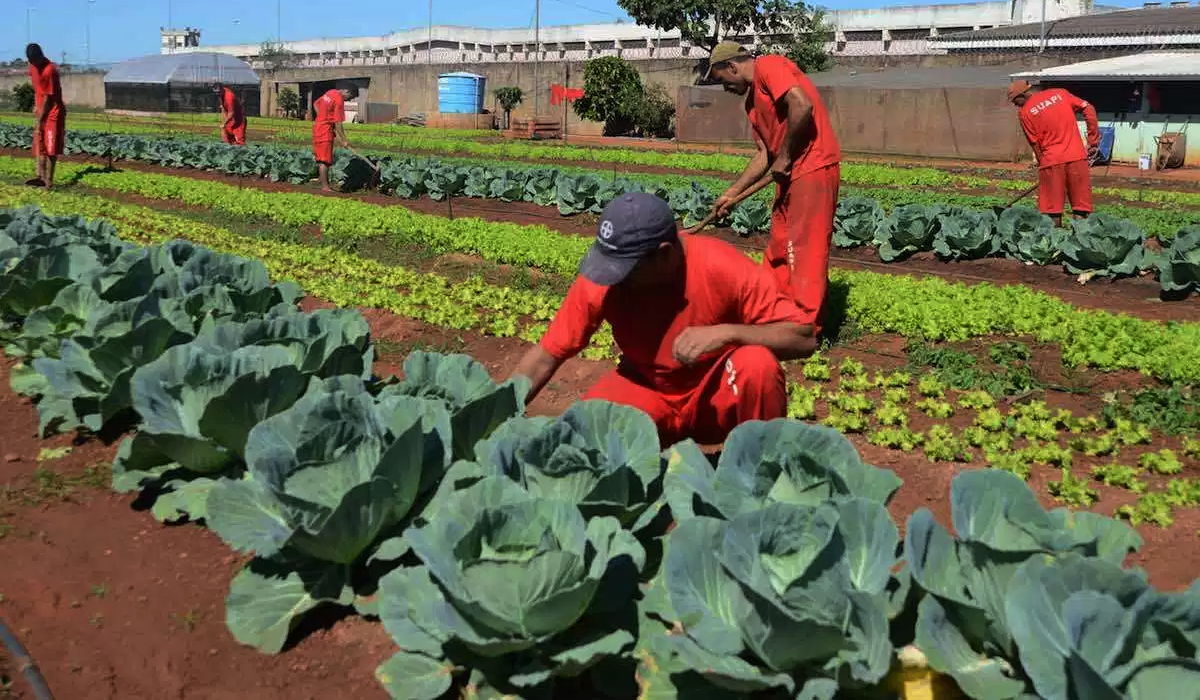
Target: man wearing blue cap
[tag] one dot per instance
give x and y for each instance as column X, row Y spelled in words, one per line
column 701, row 328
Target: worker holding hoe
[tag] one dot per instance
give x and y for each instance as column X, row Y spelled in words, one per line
column 49, row 115
column 798, row 149
column 329, row 114
column 1048, row 119
column 701, row 328
column 233, row 116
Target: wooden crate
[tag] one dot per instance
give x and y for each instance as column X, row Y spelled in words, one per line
column 541, row 128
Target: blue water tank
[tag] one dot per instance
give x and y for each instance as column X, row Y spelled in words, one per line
column 460, row 93
column 1108, row 138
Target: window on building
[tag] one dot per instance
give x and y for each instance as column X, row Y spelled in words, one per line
column 1119, row 97
column 1174, row 97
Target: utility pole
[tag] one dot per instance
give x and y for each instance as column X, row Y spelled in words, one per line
column 170, row 27
column 1043, row 43
column 29, row 25
column 537, row 55
column 279, row 22
column 429, row 84
column 87, row 37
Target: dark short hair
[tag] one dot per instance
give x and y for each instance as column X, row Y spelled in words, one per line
column 352, row 89
column 33, row 52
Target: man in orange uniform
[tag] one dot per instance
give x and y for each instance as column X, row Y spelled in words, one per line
column 49, row 115
column 798, row 147
column 233, row 116
column 1048, row 119
column 329, row 113
column 701, row 328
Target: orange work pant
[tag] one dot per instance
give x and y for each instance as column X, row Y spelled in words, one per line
column 801, row 231
column 746, row 383
column 1065, row 181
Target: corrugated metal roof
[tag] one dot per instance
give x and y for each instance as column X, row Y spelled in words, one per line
column 1163, row 20
column 184, row 68
column 1154, row 65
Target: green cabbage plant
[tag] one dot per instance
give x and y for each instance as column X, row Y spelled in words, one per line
column 1179, row 265
column 787, row 598
column 1086, row 628
column 751, row 217
column 779, row 461
column 965, row 234
column 857, row 222
column 602, row 457
column 329, row 480
column 1105, row 246
column 1030, row 236
column 908, row 229
column 963, row 625
column 516, row 593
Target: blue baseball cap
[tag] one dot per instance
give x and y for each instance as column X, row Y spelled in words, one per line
column 632, row 226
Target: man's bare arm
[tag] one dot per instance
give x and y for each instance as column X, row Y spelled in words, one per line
column 341, row 134
column 753, row 173
column 799, row 120
column 789, row 341
column 538, row 366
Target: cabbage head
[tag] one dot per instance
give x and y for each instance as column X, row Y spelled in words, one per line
column 1030, row 236
column 603, row 457
column 1086, row 628
column 908, row 229
column 1104, row 246
column 329, row 479
column 965, row 234
column 856, row 222
column 963, row 626
column 751, row 217
column 1179, row 264
column 778, row 461
column 786, row 598
column 519, row 588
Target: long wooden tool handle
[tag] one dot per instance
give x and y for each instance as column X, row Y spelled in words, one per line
column 746, row 194
column 366, row 160
column 1024, row 194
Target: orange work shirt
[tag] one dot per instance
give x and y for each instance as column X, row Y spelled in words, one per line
column 1048, row 118
column 331, row 110
column 774, row 76
column 233, row 108
column 47, row 89
column 722, row 286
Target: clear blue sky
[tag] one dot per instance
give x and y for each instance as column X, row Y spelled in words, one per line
column 124, row 28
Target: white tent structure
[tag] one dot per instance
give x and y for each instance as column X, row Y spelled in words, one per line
column 180, row 82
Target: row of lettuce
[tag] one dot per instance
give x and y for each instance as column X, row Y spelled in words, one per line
column 334, row 269
column 541, row 557
column 571, row 190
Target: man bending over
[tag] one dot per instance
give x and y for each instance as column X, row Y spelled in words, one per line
column 701, row 327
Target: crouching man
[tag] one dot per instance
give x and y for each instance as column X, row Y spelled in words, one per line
column 701, row 328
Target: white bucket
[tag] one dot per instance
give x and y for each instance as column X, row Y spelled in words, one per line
column 1144, row 161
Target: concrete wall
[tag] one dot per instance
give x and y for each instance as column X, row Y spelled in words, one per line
column 83, row 89
column 414, row 88
column 969, row 123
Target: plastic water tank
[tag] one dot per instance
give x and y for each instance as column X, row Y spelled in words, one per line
column 460, row 93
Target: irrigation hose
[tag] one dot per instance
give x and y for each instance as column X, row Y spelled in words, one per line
column 25, row 663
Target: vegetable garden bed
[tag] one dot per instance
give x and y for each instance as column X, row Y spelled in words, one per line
column 1135, row 295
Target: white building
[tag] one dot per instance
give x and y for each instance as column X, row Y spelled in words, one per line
column 887, row 31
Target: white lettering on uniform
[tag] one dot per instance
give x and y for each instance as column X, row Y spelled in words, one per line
column 1055, row 99
column 731, row 376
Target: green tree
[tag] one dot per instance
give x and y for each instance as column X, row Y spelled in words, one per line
column 275, row 56
column 509, row 98
column 612, row 90
column 707, row 23
column 23, row 96
column 289, row 103
column 806, row 45
column 654, row 113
